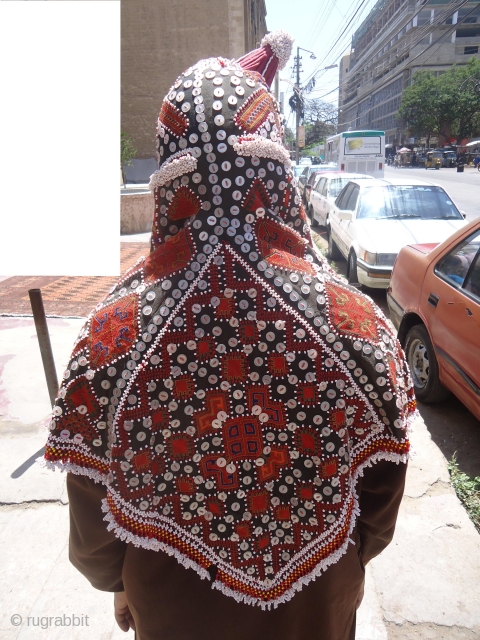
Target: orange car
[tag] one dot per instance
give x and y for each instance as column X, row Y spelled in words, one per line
column 434, row 302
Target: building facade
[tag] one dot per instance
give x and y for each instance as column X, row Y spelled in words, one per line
column 162, row 38
column 398, row 38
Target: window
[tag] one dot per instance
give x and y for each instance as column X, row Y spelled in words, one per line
column 325, row 188
column 461, row 267
column 469, row 50
column 405, row 201
column 351, row 203
column 319, row 185
column 343, row 197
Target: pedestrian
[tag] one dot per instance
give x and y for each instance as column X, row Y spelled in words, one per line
column 234, row 416
column 476, row 160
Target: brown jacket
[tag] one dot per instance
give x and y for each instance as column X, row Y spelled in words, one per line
column 169, row 602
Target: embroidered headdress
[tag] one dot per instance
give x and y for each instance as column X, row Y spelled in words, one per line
column 231, row 387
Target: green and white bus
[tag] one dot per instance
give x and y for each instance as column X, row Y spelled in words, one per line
column 358, row 152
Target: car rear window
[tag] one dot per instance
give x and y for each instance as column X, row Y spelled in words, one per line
column 337, row 184
column 405, row 201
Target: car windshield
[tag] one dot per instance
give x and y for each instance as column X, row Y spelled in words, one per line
column 337, row 185
column 406, row 201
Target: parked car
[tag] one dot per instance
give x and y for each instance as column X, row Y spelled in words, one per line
column 298, row 170
column 325, row 190
column 304, row 176
column 372, row 220
column 305, row 160
column 314, row 177
column 434, row 301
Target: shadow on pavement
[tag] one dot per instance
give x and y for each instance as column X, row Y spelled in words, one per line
column 454, row 429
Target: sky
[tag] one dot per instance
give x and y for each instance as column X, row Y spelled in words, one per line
column 317, row 25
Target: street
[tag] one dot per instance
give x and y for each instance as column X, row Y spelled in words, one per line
column 464, row 187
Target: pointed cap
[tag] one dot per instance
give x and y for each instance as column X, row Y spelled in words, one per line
column 273, row 54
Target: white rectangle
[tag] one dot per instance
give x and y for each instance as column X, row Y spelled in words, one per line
column 371, row 145
column 59, row 132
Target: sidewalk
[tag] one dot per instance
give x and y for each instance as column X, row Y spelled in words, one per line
column 424, row 586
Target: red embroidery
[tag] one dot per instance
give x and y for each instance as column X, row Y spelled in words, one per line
column 180, row 446
column 225, row 480
column 141, row 461
column 185, row 485
column 225, row 308
column 275, row 410
column 242, row 438
column 160, row 419
column 271, row 235
column 248, row 332
column 305, row 492
column 278, row 365
column 215, row 506
column 215, row 402
column 285, row 260
column 206, row 348
column 350, row 313
column 258, row 501
column 174, row 254
column 183, row 387
column 254, row 112
column 235, row 367
column 277, row 459
column 243, row 530
column 307, row 441
column 329, row 468
column 80, row 394
column 257, row 197
column 173, row 119
column 338, row 419
column 184, row 204
column 76, row 423
column 113, row 331
column 282, row 513
column 307, row 393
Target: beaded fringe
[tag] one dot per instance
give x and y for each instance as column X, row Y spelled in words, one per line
column 155, row 545
column 173, row 168
column 262, row 148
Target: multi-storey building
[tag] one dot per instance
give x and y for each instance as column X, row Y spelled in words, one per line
column 398, row 38
column 160, row 39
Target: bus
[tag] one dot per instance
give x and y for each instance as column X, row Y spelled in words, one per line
column 358, row 152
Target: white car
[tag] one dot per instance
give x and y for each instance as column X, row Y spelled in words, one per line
column 373, row 219
column 324, row 193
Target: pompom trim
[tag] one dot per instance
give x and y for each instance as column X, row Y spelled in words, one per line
column 281, row 43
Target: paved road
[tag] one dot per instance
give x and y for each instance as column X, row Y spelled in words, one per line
column 464, row 187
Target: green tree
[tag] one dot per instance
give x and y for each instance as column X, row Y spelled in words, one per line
column 127, row 152
column 320, row 119
column 448, row 105
column 420, row 106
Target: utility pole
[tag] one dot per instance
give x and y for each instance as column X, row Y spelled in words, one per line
column 297, row 115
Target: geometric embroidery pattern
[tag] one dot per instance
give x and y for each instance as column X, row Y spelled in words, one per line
column 184, row 204
column 173, row 119
column 351, row 314
column 113, row 331
column 174, row 254
column 253, row 113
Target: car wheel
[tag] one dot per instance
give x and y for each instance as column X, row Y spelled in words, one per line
column 327, row 226
column 352, row 268
column 333, row 252
column 424, row 366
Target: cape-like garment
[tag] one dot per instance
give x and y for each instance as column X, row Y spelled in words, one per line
column 231, row 387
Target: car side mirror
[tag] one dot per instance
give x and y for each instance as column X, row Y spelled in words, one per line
column 345, row 215
column 463, row 214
